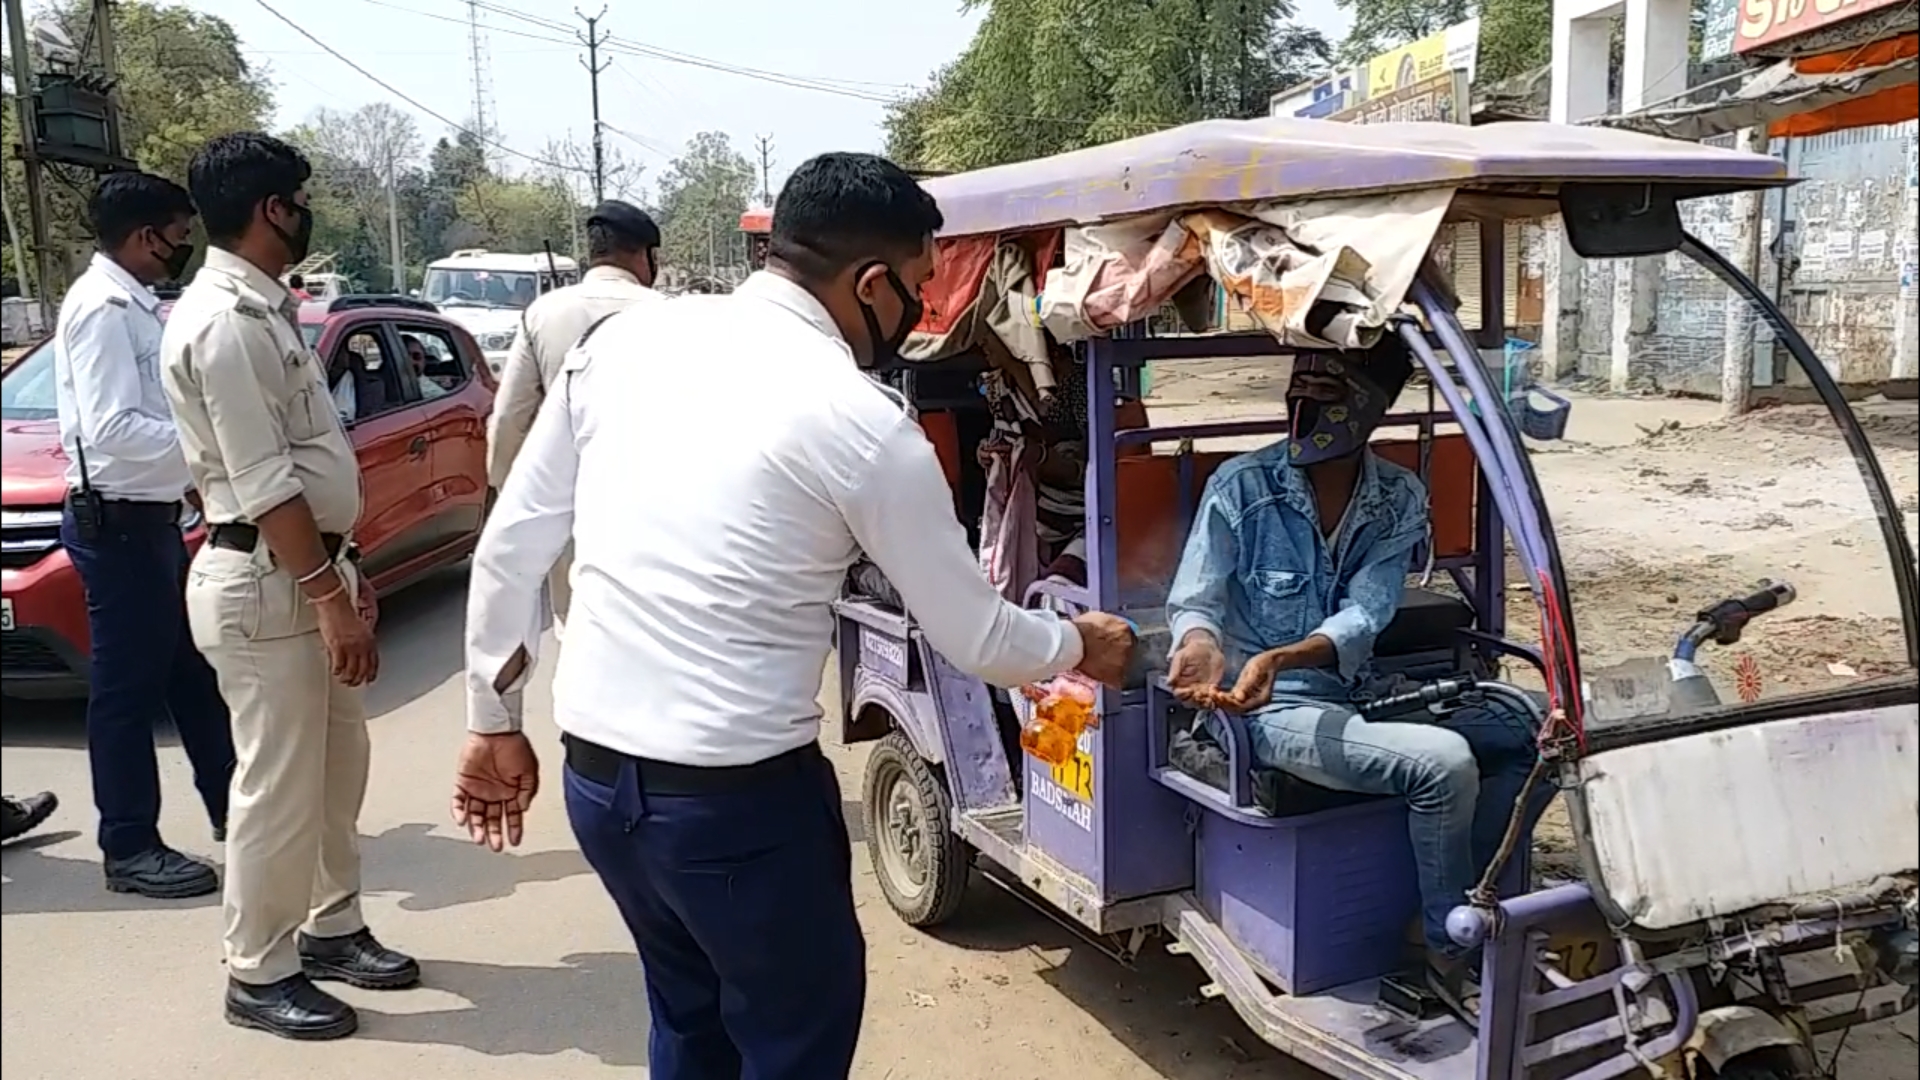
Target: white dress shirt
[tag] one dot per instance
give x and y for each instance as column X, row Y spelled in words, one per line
column 717, row 488
column 106, row 361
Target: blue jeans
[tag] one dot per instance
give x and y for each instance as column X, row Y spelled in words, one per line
column 145, row 669
column 1460, row 777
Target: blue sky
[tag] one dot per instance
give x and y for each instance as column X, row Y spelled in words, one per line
column 862, row 52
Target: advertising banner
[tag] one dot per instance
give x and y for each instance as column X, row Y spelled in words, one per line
column 1454, row 49
column 1441, row 99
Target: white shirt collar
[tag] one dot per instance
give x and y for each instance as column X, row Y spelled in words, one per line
column 136, row 289
column 609, row 273
column 771, row 287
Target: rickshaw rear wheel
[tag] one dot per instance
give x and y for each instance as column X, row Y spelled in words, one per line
column 921, row 863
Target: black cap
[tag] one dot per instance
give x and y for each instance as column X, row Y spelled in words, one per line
column 627, row 221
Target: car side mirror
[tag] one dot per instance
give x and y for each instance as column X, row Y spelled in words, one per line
column 415, row 293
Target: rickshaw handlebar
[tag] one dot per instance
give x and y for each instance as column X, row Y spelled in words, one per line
column 1724, row 622
column 1437, row 692
column 1443, row 692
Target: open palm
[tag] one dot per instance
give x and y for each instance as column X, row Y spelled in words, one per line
column 494, row 782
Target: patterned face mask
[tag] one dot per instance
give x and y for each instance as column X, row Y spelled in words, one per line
column 1326, row 423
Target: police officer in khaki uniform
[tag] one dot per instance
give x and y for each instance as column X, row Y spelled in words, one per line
column 274, row 601
column 622, row 242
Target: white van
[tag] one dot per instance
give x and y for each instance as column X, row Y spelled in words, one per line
column 485, row 291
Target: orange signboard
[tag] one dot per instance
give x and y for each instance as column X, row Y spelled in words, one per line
column 1763, row 22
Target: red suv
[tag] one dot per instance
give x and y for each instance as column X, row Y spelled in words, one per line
column 420, row 432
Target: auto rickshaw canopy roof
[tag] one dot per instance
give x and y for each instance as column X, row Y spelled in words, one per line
column 1224, row 162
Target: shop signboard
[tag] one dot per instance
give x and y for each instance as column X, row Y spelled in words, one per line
column 1764, row 22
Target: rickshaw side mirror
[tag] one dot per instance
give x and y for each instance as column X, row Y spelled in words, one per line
column 1620, row 221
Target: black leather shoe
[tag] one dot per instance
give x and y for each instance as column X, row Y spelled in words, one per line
column 219, row 834
column 292, row 1008
column 358, row 959
column 21, row 816
column 161, row 874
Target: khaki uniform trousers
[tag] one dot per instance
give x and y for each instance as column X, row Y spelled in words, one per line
column 293, row 855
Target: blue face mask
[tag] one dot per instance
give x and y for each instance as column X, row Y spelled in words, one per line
column 1323, row 429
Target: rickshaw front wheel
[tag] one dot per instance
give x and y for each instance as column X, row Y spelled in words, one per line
column 921, row 863
column 1772, row 1063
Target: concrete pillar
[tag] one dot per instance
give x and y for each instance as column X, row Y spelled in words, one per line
column 1653, row 69
column 1582, row 34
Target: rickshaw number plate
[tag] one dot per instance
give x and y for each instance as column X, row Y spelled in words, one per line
column 1629, row 691
column 1075, row 775
column 1581, row 956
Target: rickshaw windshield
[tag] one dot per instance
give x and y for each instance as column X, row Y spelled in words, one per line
column 1662, row 507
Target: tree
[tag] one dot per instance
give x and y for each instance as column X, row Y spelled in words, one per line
column 182, row 80
column 702, row 195
column 1516, row 37
column 356, row 155
column 1380, row 25
column 1045, row 76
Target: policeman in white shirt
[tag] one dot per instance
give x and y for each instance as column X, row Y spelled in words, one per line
column 622, row 242
column 128, row 495
column 717, row 494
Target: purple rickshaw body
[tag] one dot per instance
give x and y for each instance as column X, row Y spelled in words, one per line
column 1296, row 918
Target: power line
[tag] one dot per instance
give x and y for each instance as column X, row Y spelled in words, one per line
column 409, row 99
column 636, row 49
column 642, row 143
column 823, row 83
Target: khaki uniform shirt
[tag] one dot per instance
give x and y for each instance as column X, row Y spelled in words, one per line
column 550, row 327
column 256, row 421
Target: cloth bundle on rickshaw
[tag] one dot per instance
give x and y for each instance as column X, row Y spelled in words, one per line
column 1318, row 273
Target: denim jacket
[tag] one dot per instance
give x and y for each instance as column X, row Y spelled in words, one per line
column 1258, row 573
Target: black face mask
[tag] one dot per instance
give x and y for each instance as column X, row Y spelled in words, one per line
column 301, row 238
column 176, row 259
column 886, row 347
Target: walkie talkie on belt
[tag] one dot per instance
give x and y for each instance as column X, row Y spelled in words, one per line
column 89, row 510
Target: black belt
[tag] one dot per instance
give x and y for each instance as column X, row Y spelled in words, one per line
column 239, row 536
column 135, row 511
column 602, row 766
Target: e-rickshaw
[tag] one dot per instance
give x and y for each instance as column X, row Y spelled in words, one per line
column 1747, row 870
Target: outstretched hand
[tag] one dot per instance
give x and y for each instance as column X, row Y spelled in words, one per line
column 1196, row 670
column 494, row 782
column 1254, row 688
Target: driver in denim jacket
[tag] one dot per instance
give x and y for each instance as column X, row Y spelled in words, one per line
column 1296, row 562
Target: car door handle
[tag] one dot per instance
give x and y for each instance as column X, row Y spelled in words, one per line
column 418, row 447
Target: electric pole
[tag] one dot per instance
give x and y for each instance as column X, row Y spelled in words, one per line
column 393, row 224
column 482, row 81
column 593, row 39
column 764, row 143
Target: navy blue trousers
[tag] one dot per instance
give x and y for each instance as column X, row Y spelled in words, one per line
column 741, row 905
column 145, row 669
